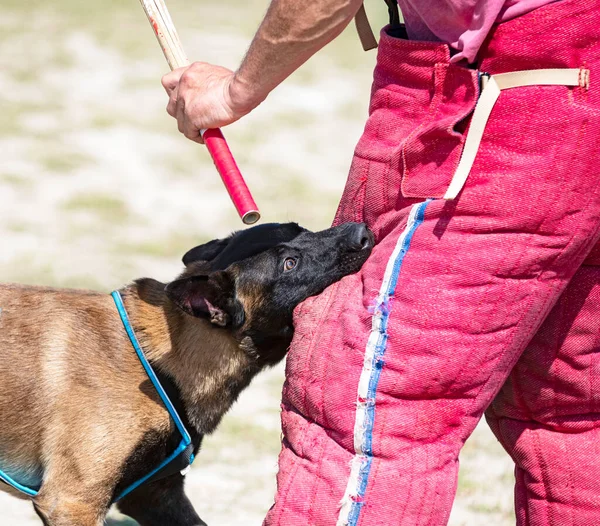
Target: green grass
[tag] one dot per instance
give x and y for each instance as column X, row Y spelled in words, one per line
column 172, row 246
column 24, row 75
column 242, row 436
column 15, row 180
column 184, row 165
column 64, row 162
column 482, row 507
column 103, row 121
column 10, row 115
column 106, row 207
column 21, row 270
column 294, row 119
column 466, row 485
column 18, row 227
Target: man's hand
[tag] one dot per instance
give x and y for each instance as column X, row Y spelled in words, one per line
column 203, row 96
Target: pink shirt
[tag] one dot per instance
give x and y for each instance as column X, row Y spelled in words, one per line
column 463, row 24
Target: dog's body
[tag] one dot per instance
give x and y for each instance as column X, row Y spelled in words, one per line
column 80, row 417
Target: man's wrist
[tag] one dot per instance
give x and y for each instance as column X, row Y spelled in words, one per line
column 244, row 96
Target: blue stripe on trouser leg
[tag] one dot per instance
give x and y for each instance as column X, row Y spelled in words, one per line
column 373, row 364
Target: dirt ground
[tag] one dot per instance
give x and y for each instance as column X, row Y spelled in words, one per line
column 98, row 188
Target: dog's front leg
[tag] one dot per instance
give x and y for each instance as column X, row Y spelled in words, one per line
column 160, row 503
column 62, row 511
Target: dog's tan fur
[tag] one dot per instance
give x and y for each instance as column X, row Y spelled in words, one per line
column 60, row 349
column 79, row 415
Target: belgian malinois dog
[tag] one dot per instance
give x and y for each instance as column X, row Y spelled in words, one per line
column 81, row 420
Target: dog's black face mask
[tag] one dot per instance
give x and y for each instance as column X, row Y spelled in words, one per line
column 252, row 281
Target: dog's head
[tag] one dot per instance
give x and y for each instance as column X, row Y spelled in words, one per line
column 250, row 282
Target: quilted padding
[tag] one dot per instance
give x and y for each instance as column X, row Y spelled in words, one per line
column 391, row 368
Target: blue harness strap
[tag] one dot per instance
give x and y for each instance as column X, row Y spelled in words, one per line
column 178, row 460
column 32, row 492
column 183, row 455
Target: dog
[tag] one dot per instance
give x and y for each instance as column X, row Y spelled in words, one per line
column 85, row 423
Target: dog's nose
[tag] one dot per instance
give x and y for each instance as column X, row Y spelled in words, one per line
column 359, row 237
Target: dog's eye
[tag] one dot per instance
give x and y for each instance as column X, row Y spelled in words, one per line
column 289, row 264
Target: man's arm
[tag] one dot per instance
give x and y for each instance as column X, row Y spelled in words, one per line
column 206, row 96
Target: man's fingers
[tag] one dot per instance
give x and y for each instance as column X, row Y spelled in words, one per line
column 176, row 108
column 172, row 104
column 191, row 132
column 199, row 139
column 180, row 115
column 189, row 129
column 171, row 80
column 200, row 97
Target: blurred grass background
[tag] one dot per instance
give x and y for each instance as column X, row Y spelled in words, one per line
column 97, row 188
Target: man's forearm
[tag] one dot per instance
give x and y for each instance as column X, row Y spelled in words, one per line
column 204, row 96
column 291, row 32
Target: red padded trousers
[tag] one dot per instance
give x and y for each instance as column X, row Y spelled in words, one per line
column 391, row 368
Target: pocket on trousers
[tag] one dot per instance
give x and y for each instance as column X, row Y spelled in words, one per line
column 430, row 154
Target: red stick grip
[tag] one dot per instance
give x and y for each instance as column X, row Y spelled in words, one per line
column 231, row 175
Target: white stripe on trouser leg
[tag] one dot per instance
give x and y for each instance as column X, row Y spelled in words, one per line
column 367, row 385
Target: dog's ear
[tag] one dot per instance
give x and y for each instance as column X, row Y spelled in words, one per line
column 209, row 296
column 206, row 252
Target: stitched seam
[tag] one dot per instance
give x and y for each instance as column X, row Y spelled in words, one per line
column 316, row 485
column 554, row 371
column 302, row 433
column 543, row 470
column 425, row 489
column 290, row 480
column 593, row 399
column 323, row 413
column 571, row 485
column 387, row 168
column 340, row 299
column 313, row 342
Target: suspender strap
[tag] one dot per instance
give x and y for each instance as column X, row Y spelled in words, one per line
column 363, row 27
column 364, row 30
column 492, row 85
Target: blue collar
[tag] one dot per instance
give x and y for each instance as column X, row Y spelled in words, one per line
column 180, row 459
column 183, row 456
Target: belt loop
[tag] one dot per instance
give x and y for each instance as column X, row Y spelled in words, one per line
column 483, row 80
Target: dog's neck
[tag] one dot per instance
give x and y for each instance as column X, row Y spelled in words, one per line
column 207, row 364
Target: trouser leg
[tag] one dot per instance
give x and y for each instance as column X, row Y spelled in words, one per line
column 391, row 368
column 546, row 413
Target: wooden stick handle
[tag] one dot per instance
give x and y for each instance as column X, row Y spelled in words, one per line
column 166, row 34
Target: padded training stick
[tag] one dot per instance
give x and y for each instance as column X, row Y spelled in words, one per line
column 167, row 36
